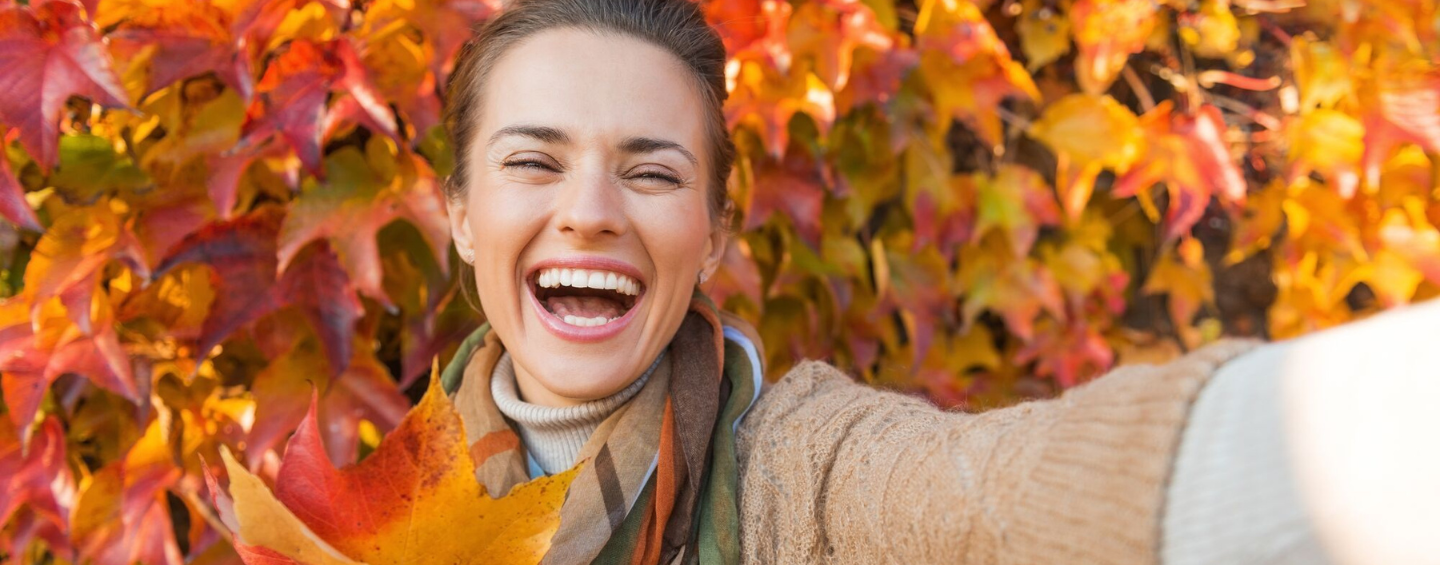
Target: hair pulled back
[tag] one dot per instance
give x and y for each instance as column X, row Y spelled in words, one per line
column 677, row 26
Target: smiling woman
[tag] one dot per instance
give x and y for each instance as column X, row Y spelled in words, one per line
column 590, row 198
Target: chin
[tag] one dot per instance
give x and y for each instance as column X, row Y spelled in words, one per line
column 584, row 378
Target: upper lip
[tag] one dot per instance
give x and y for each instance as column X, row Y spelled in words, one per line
column 587, row 262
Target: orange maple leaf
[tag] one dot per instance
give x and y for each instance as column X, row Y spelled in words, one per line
column 414, row 499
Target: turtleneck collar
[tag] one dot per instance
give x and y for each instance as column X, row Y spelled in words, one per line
column 554, row 435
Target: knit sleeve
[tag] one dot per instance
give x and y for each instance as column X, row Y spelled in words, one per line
column 832, row 470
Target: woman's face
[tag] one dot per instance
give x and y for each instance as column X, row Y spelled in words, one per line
column 586, row 209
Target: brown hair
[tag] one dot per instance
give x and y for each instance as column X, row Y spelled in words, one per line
column 677, row 26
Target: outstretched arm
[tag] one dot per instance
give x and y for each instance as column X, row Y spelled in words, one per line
column 1319, row 448
column 834, row 470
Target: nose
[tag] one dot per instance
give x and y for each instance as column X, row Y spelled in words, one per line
column 591, row 206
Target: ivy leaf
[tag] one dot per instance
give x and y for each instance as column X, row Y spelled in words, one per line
column 1189, row 154
column 1403, row 106
column 403, row 503
column 445, row 23
column 69, row 260
column 990, row 278
column 738, row 275
column 241, row 254
column 91, row 167
column 1107, row 32
column 13, row 205
column 830, row 31
column 969, row 70
column 35, row 474
column 122, row 515
column 1182, row 275
column 741, row 23
column 364, row 391
column 1070, row 352
column 1044, row 30
column 1330, row 142
column 189, row 39
column 795, row 186
column 875, row 77
column 1088, row 135
column 49, row 53
column 1017, row 201
column 292, row 97
column 36, row 348
column 766, row 99
column 359, row 197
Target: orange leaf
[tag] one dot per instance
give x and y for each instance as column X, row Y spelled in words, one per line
column 1187, row 152
column 405, row 503
column 968, row 69
column 1107, row 32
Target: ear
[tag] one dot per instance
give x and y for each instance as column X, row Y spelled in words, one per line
column 717, row 243
column 457, row 208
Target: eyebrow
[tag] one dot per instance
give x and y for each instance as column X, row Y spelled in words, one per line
column 651, row 145
column 544, row 134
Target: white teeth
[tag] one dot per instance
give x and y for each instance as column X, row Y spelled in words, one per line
column 581, row 278
column 588, row 322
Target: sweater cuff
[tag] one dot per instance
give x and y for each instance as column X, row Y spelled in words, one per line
column 1095, row 490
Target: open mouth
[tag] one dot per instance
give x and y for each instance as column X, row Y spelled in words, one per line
column 585, row 297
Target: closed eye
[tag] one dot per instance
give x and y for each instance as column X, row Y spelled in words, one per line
column 659, row 176
column 529, row 164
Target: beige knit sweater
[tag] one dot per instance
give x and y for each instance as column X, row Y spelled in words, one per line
column 835, row 471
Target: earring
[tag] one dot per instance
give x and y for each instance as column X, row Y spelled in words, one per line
column 701, row 276
column 467, row 255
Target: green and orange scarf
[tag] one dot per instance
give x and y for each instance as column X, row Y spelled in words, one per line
column 661, row 473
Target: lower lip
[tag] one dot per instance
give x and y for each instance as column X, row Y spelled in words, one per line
column 581, row 334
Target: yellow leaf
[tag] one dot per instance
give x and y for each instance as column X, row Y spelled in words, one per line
column 1088, row 133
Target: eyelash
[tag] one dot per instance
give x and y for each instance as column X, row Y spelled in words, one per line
column 533, row 164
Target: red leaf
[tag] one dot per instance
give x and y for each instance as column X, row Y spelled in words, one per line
column 795, row 187
column 1187, row 152
column 1407, row 111
column 830, row 31
column 364, row 391
column 37, row 478
column 363, row 103
column 291, row 101
column 122, row 516
column 34, row 354
column 49, row 53
column 359, row 198
column 241, row 253
column 190, row 39
column 319, row 287
column 12, row 196
column 738, row 275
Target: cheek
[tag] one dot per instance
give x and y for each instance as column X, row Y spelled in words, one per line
column 501, row 229
column 674, row 232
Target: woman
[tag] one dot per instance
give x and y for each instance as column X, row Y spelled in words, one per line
column 589, row 196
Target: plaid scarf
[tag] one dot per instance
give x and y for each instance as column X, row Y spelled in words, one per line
column 660, row 482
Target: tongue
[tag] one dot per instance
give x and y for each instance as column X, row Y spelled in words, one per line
column 584, row 306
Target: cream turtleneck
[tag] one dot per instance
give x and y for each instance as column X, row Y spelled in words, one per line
column 554, row 435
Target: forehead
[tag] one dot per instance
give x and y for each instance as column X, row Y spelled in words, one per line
column 593, row 85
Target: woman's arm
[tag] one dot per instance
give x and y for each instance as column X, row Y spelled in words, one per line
column 834, row 470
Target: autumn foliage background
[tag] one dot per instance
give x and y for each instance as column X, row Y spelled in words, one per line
column 214, row 206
